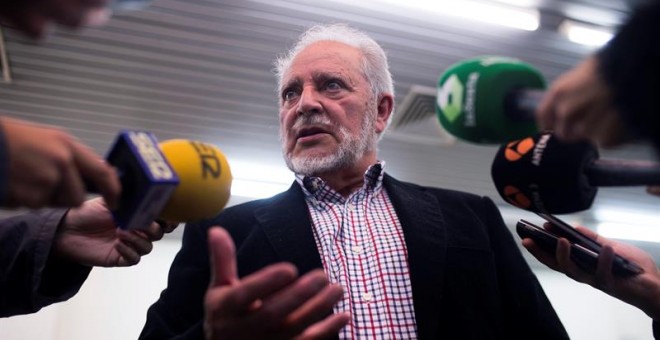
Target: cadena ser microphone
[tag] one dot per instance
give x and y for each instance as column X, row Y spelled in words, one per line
column 544, row 174
column 489, row 99
column 177, row 180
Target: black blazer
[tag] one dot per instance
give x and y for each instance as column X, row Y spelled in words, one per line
column 469, row 279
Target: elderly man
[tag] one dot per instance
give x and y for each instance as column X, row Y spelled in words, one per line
column 412, row 261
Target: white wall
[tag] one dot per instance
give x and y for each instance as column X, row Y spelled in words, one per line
column 112, row 305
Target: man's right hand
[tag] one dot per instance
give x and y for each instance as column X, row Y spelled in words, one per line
column 47, row 167
column 272, row 303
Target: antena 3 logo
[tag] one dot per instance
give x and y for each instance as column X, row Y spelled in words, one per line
column 517, row 149
column 516, row 197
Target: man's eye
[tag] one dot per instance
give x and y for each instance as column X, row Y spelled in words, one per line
column 289, row 95
column 333, row 85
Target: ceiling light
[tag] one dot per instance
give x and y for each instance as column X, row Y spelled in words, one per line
column 499, row 14
column 585, row 34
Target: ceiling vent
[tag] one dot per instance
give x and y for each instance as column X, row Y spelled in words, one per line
column 415, row 120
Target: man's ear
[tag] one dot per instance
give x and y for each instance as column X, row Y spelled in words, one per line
column 384, row 111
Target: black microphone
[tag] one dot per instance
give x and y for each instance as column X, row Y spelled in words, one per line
column 544, row 174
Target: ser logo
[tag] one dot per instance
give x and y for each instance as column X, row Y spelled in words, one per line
column 209, row 159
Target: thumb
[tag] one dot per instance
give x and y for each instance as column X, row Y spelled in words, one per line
column 222, row 258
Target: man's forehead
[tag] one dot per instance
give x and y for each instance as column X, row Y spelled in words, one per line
column 324, row 59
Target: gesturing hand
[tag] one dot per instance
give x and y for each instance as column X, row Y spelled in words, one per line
column 272, row 303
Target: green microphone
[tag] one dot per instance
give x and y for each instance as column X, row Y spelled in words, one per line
column 489, row 99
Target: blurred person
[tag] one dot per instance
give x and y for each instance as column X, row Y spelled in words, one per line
column 45, row 166
column 641, row 291
column 46, row 256
column 611, row 96
column 35, row 17
column 411, row 261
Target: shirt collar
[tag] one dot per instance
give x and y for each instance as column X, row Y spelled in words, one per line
column 315, row 187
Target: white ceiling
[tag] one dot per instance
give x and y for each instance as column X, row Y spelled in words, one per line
column 202, row 70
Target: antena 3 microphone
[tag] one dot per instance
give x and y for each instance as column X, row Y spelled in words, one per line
column 543, row 174
column 489, row 99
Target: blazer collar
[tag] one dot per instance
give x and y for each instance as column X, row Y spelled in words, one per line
column 425, row 233
column 287, row 226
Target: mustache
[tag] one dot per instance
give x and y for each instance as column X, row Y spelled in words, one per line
column 313, row 120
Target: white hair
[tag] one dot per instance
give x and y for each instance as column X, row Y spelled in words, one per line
column 374, row 64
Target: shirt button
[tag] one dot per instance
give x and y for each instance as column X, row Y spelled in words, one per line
column 367, row 297
column 356, row 249
column 349, row 207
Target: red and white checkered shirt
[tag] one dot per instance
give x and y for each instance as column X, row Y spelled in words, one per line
column 362, row 248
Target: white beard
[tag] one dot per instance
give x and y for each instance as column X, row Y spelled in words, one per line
column 351, row 148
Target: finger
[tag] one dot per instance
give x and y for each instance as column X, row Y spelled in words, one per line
column 327, row 328
column 591, row 234
column 98, row 172
column 543, row 256
column 166, row 226
column 653, row 190
column 566, row 264
column 69, row 12
column 604, row 276
column 222, row 257
column 71, row 191
column 315, row 308
column 29, row 21
column 128, row 255
column 141, row 244
column 545, row 115
column 276, row 307
column 155, row 231
column 247, row 295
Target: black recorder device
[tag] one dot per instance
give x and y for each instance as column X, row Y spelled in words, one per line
column 584, row 250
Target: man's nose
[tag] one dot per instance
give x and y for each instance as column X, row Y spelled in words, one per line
column 309, row 103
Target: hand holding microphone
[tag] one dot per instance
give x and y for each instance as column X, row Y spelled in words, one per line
column 579, row 105
column 47, row 167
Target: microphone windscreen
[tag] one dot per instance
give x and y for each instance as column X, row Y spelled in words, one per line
column 543, row 174
column 472, row 97
column 204, row 180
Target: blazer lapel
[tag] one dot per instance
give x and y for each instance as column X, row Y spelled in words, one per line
column 425, row 234
column 288, row 227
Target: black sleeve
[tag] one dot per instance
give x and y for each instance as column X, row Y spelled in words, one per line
column 630, row 65
column 527, row 311
column 29, row 277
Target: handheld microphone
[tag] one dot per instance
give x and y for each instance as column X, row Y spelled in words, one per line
column 544, row 174
column 489, row 99
column 176, row 180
